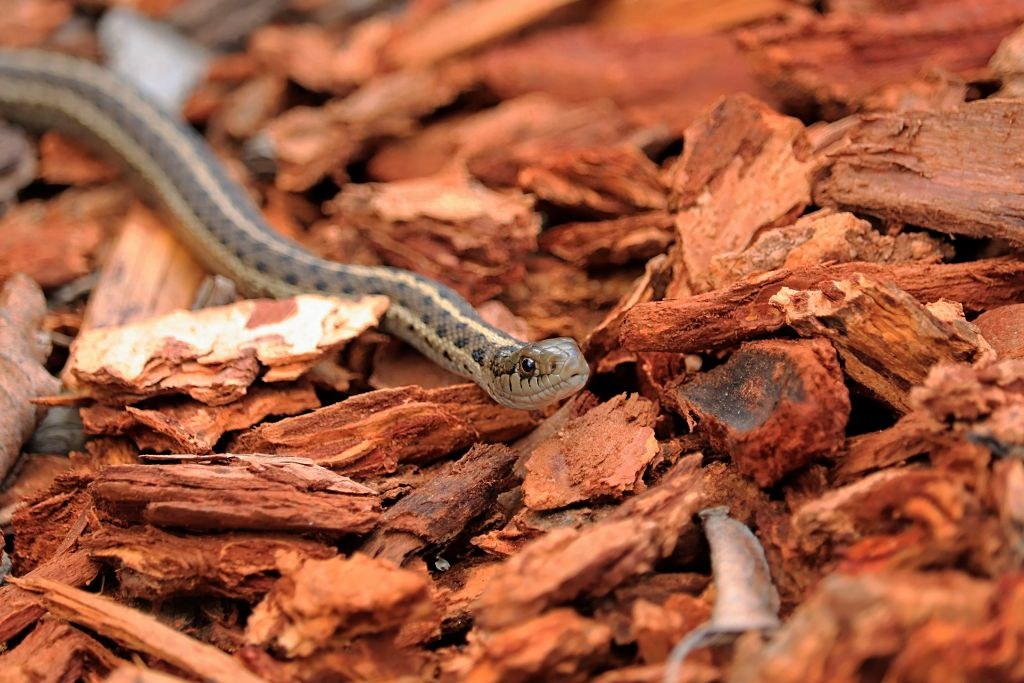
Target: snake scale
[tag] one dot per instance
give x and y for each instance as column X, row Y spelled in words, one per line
column 223, row 228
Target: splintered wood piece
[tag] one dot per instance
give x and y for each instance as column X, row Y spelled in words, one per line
column 186, row 426
column 608, row 181
column 725, row 317
column 215, row 354
column 373, row 432
column 148, row 272
column 928, row 617
column 259, row 493
column 952, row 171
column 773, row 406
column 440, row 510
column 559, row 644
column 611, row 242
column 743, row 168
column 568, row 563
column 657, row 77
column 834, row 60
column 447, row 227
column 602, row 454
column 137, row 630
column 58, row 241
column 321, row 604
column 887, row 340
column 20, row 608
column 824, row 236
column 22, row 375
column 456, row 29
column 56, row 651
column 152, row 564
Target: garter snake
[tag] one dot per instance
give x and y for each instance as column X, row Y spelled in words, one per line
column 223, row 228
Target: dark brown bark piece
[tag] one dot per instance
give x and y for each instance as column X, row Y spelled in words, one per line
column 725, row 317
column 261, row 493
column 773, row 406
column 373, row 432
column 952, row 171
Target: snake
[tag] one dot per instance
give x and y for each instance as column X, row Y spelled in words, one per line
column 218, row 222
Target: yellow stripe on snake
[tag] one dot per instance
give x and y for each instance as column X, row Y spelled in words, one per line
column 222, row 227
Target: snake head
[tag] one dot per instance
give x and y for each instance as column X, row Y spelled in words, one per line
column 538, row 373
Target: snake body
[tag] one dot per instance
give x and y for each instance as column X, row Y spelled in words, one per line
column 222, row 227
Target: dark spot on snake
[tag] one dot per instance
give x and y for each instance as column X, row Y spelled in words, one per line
column 261, row 266
column 461, row 342
column 320, row 285
column 291, row 278
column 478, row 355
column 447, row 356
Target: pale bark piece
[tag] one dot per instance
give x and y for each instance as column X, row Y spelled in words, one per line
column 834, row 60
column 215, row 354
column 951, row 171
column 20, row 608
column 611, row 242
column 457, row 29
column 152, row 564
column 773, row 406
column 601, row 455
column 22, row 374
column 657, row 77
column 55, row 651
column 937, row 625
column 610, row 181
column 136, row 630
column 320, row 604
column 187, row 426
column 725, row 317
column 447, row 227
column 744, row 168
column 568, row 563
column 1003, row 328
column 259, row 493
column 135, row 674
column 147, row 272
column 824, row 236
column 558, row 645
column 887, row 340
column 439, row 511
column 373, row 432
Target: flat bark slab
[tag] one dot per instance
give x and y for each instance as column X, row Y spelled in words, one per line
column 952, row 171
column 248, row 493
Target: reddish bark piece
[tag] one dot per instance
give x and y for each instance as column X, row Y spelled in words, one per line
column 836, row 59
column 28, row 23
column 656, row 76
column 156, row 565
column 56, row 651
column 66, row 161
column 568, row 563
column 558, row 645
column 249, row 493
column 320, row 604
column 446, row 227
column 949, row 170
column 611, row 242
column 725, row 317
column 50, row 522
column 373, row 432
column 192, row 427
column 20, row 608
column 440, row 510
column 773, row 406
column 888, row 341
column 932, row 620
column 602, row 454
column 1003, row 328
column 744, row 168
column 215, row 354
column 824, row 236
column 137, row 631
column 22, row 374
column 602, row 180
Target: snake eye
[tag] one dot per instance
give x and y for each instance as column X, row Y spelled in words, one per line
column 527, row 366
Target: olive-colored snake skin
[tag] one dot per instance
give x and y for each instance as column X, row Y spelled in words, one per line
column 223, row 228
